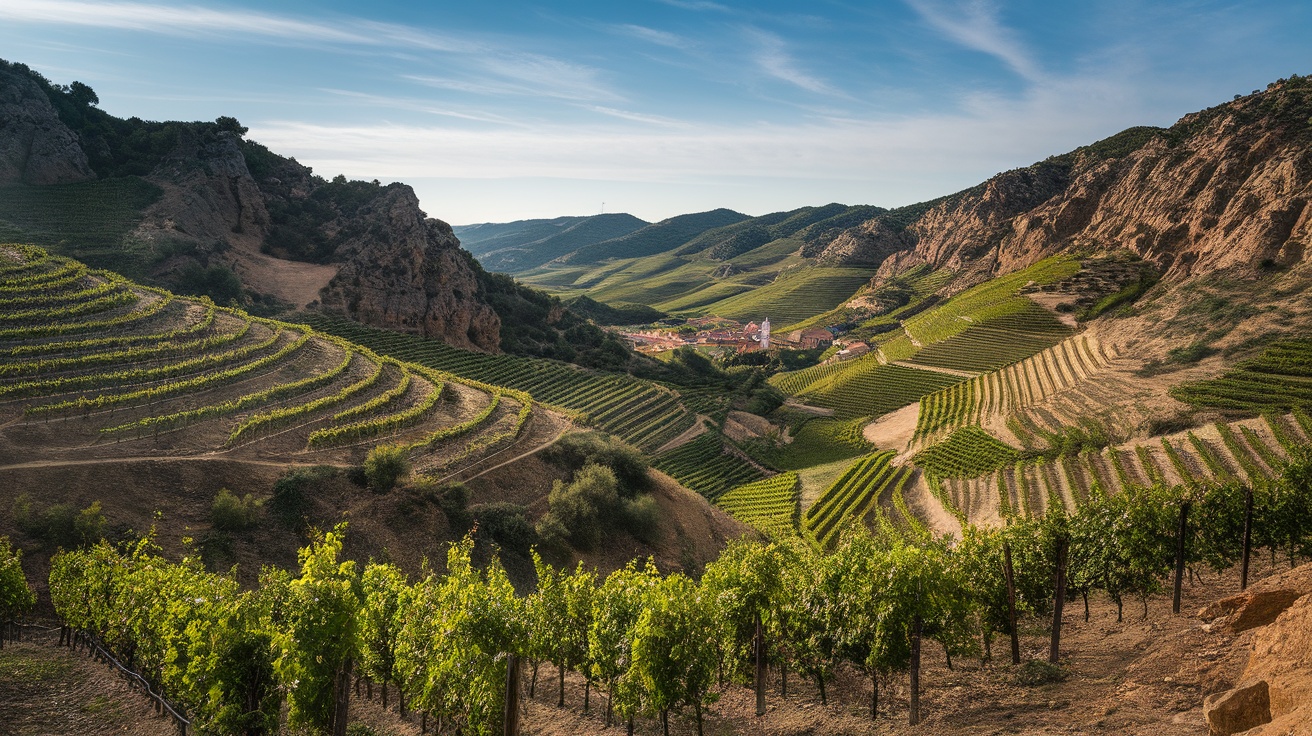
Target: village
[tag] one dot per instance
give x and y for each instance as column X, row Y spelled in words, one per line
column 711, row 332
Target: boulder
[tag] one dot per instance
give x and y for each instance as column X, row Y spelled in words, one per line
column 1238, row 710
column 1282, row 657
column 1251, row 609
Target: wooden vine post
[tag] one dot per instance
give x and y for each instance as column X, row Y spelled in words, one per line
column 1010, row 574
column 1179, row 555
column 759, row 646
column 1248, row 536
column 1058, row 599
column 510, row 718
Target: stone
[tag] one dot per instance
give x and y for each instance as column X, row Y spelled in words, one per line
column 1260, row 608
column 1282, row 657
column 1238, row 710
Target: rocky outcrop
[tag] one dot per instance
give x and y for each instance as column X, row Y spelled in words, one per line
column 209, row 194
column 1225, row 188
column 35, row 146
column 407, row 272
column 871, row 242
column 1282, row 658
column 1251, row 609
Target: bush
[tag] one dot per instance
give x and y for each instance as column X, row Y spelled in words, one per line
column 1038, row 672
column 290, row 504
column 506, row 524
column 232, row 514
column 60, row 525
column 642, row 518
column 574, row 451
column 454, row 502
column 386, row 466
column 578, row 510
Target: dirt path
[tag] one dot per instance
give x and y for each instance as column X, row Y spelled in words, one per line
column 46, row 690
column 696, row 430
column 935, row 369
column 560, row 430
column 213, row 456
column 894, row 430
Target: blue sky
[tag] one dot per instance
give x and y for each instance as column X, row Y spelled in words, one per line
column 497, row 111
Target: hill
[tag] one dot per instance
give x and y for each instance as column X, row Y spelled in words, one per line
column 519, row 246
column 198, row 208
column 655, row 238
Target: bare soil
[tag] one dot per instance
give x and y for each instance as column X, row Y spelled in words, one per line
column 894, row 430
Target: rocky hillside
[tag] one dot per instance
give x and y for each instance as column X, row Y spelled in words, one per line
column 1227, row 187
column 227, row 206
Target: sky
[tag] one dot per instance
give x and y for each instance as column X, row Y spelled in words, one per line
column 500, row 111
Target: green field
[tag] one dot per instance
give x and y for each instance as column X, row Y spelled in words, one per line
column 1279, row 380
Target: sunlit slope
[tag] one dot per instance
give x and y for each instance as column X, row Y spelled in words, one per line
column 94, row 365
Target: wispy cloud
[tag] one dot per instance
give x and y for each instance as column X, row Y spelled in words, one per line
column 482, row 67
column 771, row 55
column 975, row 25
column 652, row 35
column 638, row 117
column 169, row 20
column 696, row 5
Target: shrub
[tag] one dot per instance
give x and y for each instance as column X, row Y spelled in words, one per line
column 232, row 514
column 385, row 466
column 60, row 525
column 506, row 524
column 642, row 518
column 454, row 502
column 290, row 503
column 574, row 451
column 578, row 509
column 1037, row 672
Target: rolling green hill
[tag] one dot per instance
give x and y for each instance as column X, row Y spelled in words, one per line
column 655, row 238
column 514, row 247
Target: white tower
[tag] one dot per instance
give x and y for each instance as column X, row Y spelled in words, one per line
column 765, row 334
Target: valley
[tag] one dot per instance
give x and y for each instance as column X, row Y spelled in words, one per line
column 302, row 430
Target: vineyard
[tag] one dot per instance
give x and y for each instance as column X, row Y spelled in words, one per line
column 853, row 496
column 142, row 369
column 1249, row 452
column 707, row 466
column 996, row 342
column 867, row 388
column 769, row 505
column 1015, row 387
column 640, row 412
column 1280, row 379
column 794, row 295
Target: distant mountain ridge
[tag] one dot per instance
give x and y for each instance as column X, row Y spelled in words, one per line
column 526, row 244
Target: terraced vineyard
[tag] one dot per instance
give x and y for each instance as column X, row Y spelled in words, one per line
column 997, row 342
column 820, row 440
column 1246, row 451
column 966, row 453
column 1280, row 379
column 794, row 295
column 854, row 495
column 1019, row 385
column 770, row 505
column 866, row 388
column 92, row 358
column 640, row 412
column 994, row 299
column 706, row 466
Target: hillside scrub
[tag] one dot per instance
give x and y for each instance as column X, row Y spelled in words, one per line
column 386, row 466
column 59, row 525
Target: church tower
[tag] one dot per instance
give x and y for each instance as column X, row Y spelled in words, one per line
column 765, row 334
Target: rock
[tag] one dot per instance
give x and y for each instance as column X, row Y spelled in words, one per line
column 407, row 272
column 1224, row 188
column 1237, row 710
column 1259, row 608
column 1282, row 657
column 35, row 145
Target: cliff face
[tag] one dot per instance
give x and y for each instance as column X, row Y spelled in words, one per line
column 407, row 272
column 364, row 250
column 1224, row 188
column 35, row 146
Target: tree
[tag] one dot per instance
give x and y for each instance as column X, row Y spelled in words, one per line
column 321, row 638
column 670, row 655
